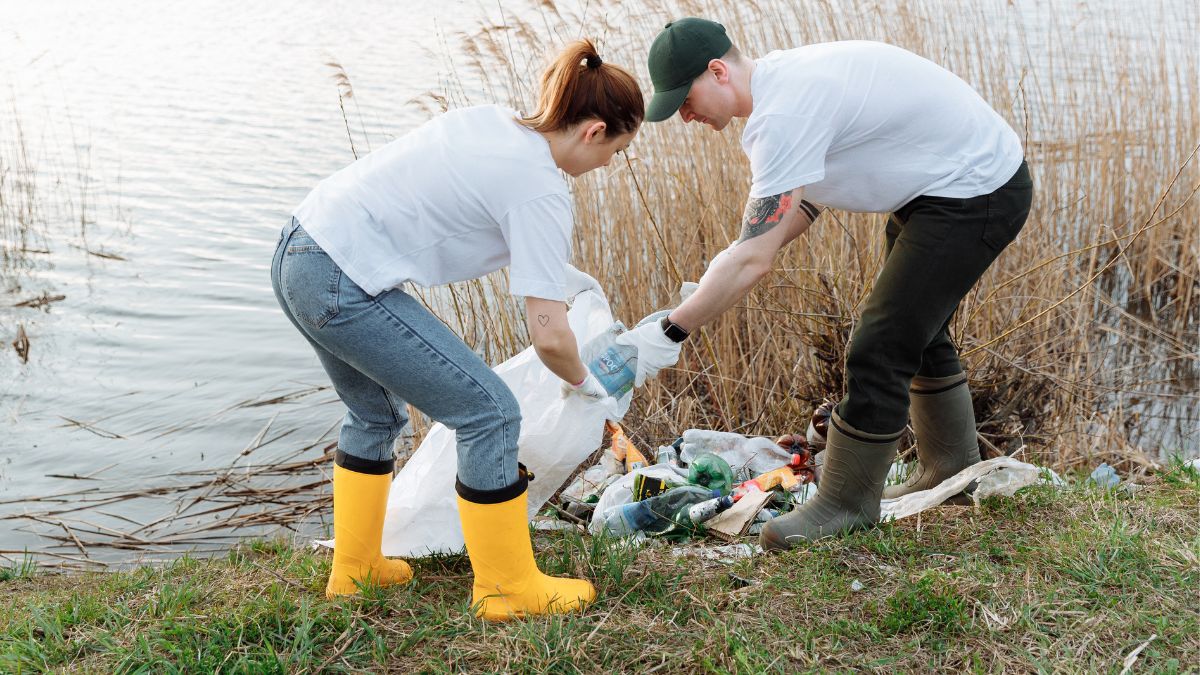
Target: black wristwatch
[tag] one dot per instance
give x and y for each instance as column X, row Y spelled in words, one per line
column 672, row 330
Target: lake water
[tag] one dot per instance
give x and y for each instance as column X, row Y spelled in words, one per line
column 198, row 127
column 172, row 139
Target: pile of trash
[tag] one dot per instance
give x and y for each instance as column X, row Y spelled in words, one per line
column 712, row 484
column 706, row 483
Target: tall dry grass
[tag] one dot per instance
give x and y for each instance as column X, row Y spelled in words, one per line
column 47, row 195
column 22, row 219
column 1079, row 336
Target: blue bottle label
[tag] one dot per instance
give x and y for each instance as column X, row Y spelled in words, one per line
column 613, row 372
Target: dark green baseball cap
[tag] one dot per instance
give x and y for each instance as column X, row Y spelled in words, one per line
column 679, row 55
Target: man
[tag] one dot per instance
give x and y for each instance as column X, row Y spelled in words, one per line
column 868, row 127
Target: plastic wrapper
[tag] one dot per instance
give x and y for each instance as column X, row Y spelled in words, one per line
column 1105, row 476
column 757, row 454
column 590, row 483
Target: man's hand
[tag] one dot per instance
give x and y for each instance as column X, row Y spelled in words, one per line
column 590, row 389
column 655, row 350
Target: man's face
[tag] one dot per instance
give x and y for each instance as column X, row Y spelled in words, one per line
column 710, row 100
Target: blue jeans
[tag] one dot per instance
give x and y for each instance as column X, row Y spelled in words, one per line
column 385, row 351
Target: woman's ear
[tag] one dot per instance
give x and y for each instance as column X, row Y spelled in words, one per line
column 593, row 132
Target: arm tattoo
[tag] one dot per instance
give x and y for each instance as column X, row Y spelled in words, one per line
column 764, row 213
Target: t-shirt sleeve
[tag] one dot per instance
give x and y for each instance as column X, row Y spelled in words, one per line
column 538, row 233
column 786, row 152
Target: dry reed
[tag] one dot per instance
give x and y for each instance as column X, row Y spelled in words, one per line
column 22, row 221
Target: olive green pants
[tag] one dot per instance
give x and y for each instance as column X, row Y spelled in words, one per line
column 937, row 249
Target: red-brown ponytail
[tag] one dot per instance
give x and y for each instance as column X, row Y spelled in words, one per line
column 579, row 86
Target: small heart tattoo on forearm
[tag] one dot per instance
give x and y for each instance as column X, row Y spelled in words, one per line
column 543, row 319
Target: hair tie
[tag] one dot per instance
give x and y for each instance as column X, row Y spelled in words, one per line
column 593, row 61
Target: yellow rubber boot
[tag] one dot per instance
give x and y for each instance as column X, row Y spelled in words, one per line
column 508, row 582
column 359, row 504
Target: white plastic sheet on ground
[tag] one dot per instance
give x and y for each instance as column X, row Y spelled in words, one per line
column 996, row 476
column 556, row 436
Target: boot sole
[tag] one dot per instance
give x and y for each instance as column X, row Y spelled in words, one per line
column 772, row 542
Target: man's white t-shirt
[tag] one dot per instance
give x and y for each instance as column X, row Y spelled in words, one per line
column 866, row 127
column 457, row 198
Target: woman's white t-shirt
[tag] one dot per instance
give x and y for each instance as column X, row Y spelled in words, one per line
column 461, row 196
column 866, row 127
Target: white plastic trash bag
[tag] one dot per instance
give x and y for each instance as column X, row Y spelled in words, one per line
column 757, row 454
column 557, row 435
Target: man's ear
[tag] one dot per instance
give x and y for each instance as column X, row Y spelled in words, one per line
column 720, row 70
column 593, row 132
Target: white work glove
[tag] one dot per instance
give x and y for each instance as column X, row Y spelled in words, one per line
column 590, row 389
column 655, row 350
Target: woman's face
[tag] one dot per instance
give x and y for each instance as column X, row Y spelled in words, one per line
column 596, row 149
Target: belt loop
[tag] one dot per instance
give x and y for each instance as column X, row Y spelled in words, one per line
column 289, row 228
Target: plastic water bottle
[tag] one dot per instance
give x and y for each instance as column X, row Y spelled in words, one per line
column 626, row 519
column 654, row 316
column 666, row 455
column 653, row 515
column 614, row 365
column 712, row 472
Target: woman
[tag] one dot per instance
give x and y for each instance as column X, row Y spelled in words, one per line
column 461, row 196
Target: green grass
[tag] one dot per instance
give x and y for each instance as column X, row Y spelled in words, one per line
column 1069, row 579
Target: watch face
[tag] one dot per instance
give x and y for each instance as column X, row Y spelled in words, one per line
column 673, row 331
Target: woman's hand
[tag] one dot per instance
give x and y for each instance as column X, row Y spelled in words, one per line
column 589, row 389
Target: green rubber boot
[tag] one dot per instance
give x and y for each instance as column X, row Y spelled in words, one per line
column 944, row 423
column 856, row 464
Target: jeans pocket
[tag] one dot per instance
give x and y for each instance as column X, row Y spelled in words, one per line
column 310, row 280
column 1007, row 210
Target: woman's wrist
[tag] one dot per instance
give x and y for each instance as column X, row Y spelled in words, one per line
column 578, row 375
